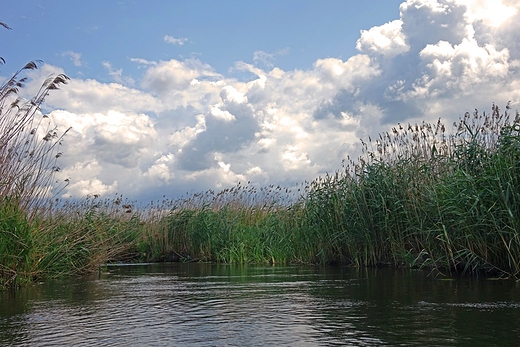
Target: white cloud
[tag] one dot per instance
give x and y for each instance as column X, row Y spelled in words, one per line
column 229, row 95
column 493, row 13
column 224, row 115
column 184, row 127
column 143, row 61
column 460, row 67
column 174, row 75
column 161, row 170
column 112, row 137
column 84, row 181
column 387, row 39
column 91, row 96
column 174, row 40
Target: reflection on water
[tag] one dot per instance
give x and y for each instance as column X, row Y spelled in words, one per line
column 221, row 305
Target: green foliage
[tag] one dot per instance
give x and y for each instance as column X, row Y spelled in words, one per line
column 15, row 241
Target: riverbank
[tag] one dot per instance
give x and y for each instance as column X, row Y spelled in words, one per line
column 419, row 196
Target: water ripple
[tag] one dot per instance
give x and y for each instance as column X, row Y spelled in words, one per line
column 263, row 308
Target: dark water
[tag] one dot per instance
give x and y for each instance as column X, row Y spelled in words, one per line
column 219, row 305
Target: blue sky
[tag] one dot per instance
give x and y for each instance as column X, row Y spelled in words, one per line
column 217, row 32
column 169, row 97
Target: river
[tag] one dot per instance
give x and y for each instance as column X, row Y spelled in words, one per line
column 174, row 304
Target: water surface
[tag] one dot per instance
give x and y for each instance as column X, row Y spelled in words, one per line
column 223, row 305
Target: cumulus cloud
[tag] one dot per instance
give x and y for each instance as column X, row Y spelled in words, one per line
column 429, row 57
column 490, row 12
column 91, row 96
column 185, row 127
column 387, row 39
column 85, row 182
column 174, row 75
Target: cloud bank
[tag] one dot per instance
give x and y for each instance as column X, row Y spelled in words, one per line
column 185, row 128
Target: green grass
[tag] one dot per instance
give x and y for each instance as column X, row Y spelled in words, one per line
column 15, row 241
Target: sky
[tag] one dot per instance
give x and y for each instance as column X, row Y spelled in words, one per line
column 174, row 97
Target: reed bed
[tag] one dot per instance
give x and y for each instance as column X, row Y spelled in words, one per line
column 419, row 196
column 29, row 150
column 237, row 225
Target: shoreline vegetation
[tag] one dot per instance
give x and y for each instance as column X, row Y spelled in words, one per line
column 419, row 196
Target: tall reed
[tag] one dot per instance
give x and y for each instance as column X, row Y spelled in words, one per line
column 29, row 149
column 29, row 146
column 421, row 197
column 241, row 224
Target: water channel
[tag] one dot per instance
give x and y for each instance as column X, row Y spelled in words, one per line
column 195, row 304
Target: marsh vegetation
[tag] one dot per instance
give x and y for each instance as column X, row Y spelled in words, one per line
column 419, row 196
